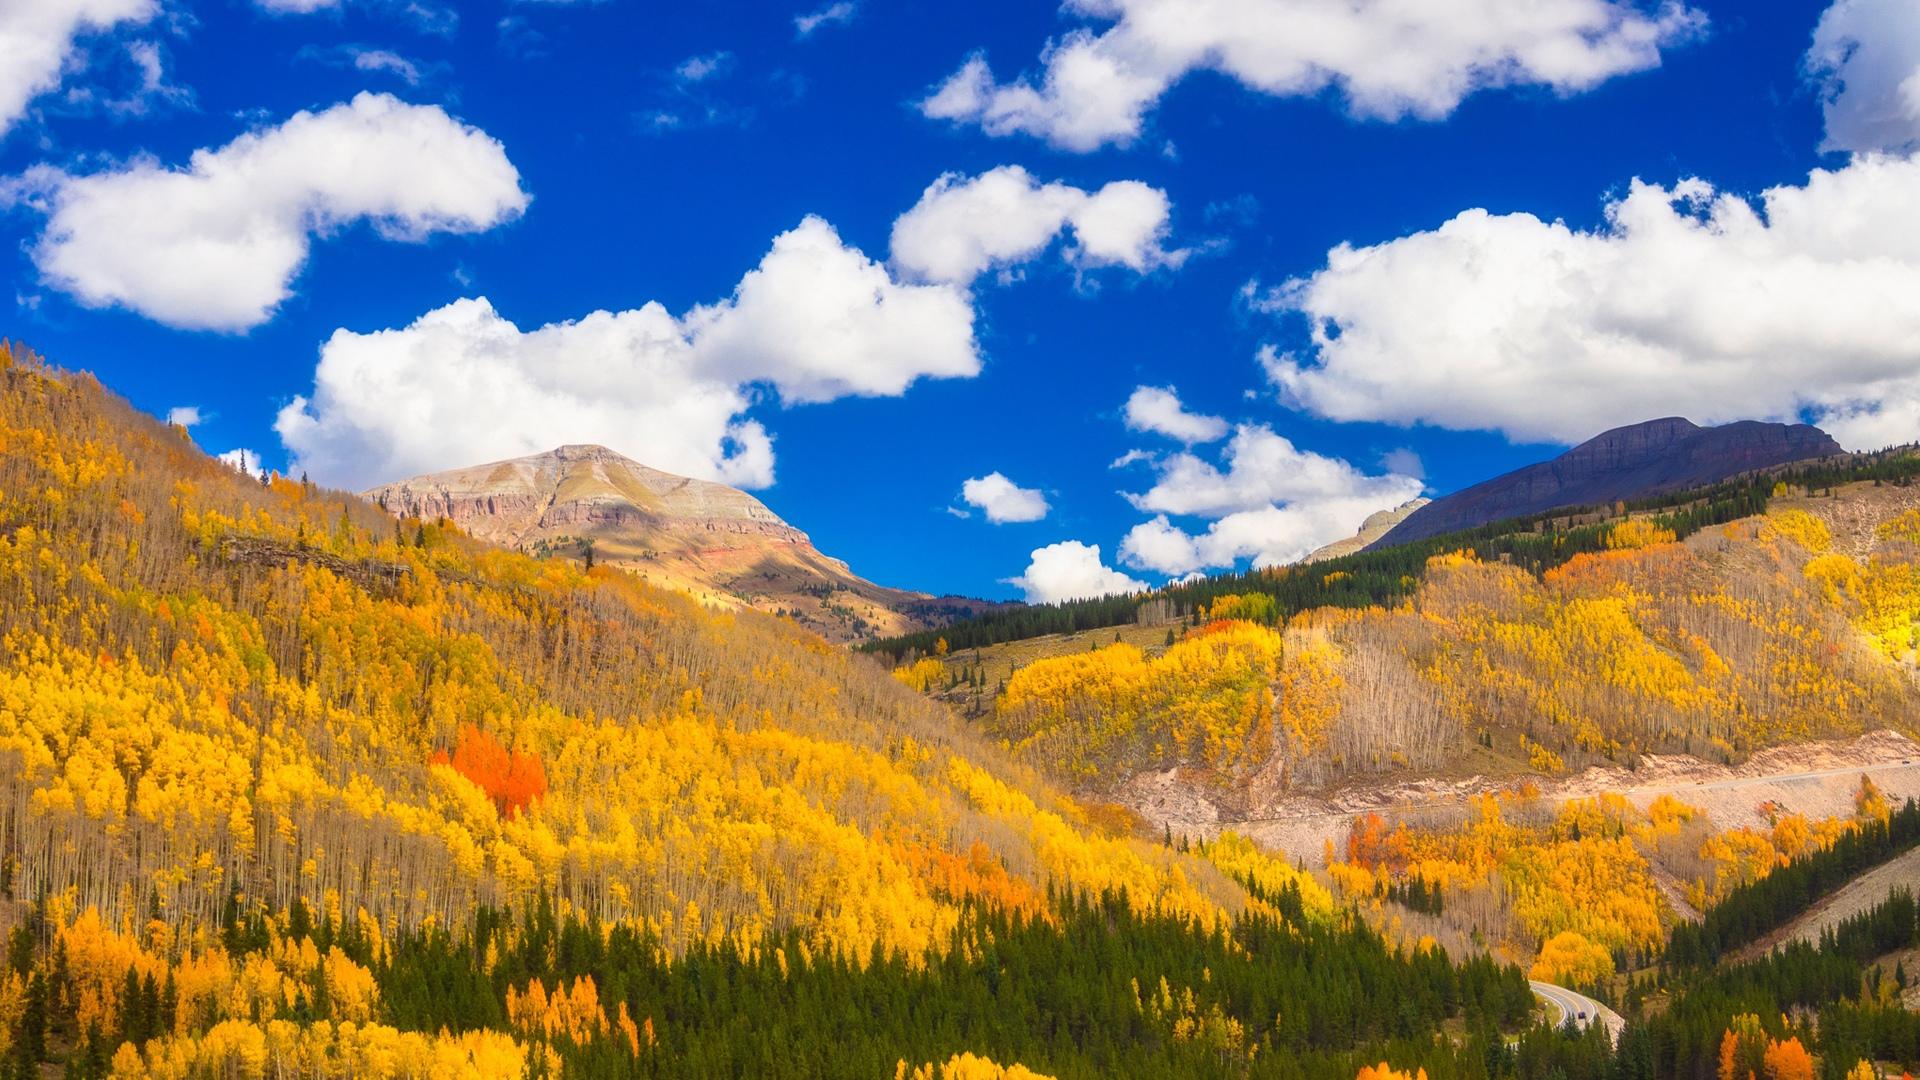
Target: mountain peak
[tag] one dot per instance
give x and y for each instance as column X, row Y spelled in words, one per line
column 590, row 452
column 702, row 537
column 579, row 490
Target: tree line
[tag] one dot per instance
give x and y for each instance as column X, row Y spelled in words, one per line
column 1090, row 987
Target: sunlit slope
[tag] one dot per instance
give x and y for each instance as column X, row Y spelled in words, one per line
column 215, row 689
column 1793, row 625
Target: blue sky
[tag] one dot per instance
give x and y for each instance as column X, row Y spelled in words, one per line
column 562, row 159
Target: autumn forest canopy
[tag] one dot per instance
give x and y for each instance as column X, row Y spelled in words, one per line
column 293, row 786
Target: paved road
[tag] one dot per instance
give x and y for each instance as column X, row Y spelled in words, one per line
column 1573, row 1005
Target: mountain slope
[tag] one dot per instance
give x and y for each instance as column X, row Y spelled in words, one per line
column 211, row 685
column 1800, row 623
column 286, row 789
column 713, row 541
column 1641, row 460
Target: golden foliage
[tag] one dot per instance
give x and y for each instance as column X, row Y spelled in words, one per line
column 1902, row 528
column 573, row 1014
column 965, row 1067
column 1802, row 528
column 1540, row 759
column 211, row 685
column 1571, row 885
column 13, row 1003
column 1244, row 607
column 1207, row 701
column 923, row 675
column 242, row 1050
column 1883, row 598
column 1383, row 1071
column 1743, row 1048
column 1571, row 960
column 1788, row 1060
column 1636, row 533
column 1310, row 686
column 1243, row 860
column 1581, row 873
column 98, row 959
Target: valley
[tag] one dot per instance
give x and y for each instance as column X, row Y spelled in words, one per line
column 1102, row 540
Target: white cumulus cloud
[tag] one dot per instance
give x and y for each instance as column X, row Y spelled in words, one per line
column 964, row 226
column 461, row 386
column 820, row 321
column 1262, row 468
column 37, row 42
column 1071, row 570
column 1157, row 409
column 1272, row 503
column 1269, row 536
column 1866, row 60
column 1687, row 300
column 1387, row 58
column 184, row 415
column 815, row 321
column 1002, row 500
column 216, row 245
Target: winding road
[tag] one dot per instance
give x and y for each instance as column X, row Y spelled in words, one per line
column 1581, row 1008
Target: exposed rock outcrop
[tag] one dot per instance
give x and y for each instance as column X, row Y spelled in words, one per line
column 1377, row 525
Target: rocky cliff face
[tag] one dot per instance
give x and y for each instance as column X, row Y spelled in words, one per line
column 1626, row 463
column 714, row 541
column 1377, row 525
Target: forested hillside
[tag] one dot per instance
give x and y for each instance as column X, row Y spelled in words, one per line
column 1795, row 624
column 1386, row 575
column 1595, row 886
column 293, row 788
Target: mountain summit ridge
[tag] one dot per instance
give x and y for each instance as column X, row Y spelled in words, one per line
column 1635, row 461
column 494, row 500
column 700, row 536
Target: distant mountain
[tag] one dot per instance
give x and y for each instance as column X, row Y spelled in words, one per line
column 1376, row 526
column 1626, row 463
column 716, row 542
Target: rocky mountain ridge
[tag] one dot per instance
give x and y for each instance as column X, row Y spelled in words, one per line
column 1626, row 463
column 717, row 542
